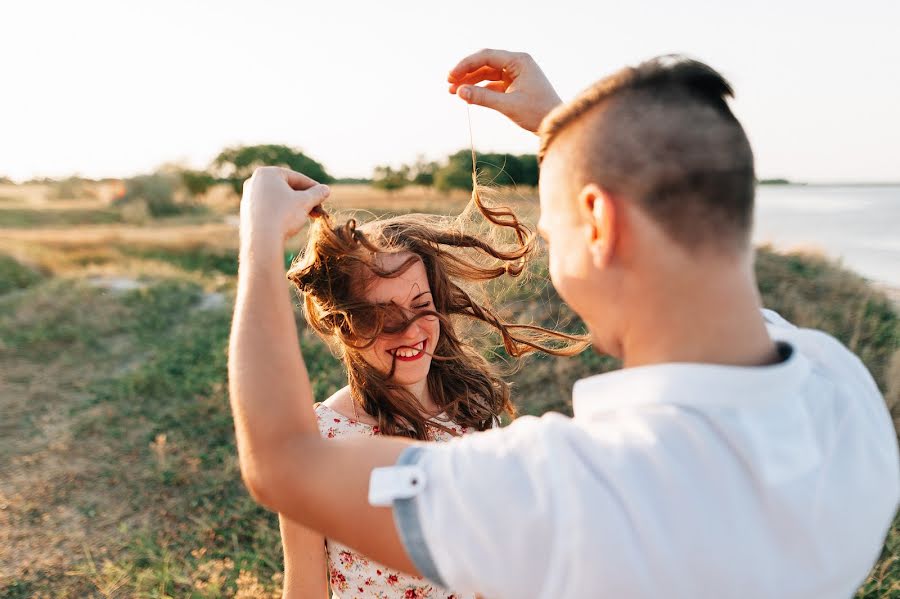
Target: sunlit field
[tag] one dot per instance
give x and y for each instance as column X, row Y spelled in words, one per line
column 118, row 471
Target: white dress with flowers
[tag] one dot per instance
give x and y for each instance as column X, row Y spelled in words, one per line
column 353, row 575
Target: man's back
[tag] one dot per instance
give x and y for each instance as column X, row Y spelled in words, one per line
column 676, row 480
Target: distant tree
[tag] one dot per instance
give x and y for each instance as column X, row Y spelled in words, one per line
column 422, row 172
column 236, row 164
column 530, row 169
column 389, row 179
column 456, row 173
column 493, row 169
column 196, row 182
column 157, row 191
column 499, row 169
column 6, row 180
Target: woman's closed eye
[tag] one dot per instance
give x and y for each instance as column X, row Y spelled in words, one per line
column 422, row 306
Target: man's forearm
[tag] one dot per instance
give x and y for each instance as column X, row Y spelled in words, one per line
column 268, row 383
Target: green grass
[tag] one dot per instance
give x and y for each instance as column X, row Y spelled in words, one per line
column 149, row 407
column 14, row 275
column 812, row 292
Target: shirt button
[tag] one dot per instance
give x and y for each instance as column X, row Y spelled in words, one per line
column 390, row 483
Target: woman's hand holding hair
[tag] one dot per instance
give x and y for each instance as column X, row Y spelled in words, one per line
column 285, row 464
column 276, row 203
column 516, row 86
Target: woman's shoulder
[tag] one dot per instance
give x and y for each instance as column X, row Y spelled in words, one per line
column 334, row 417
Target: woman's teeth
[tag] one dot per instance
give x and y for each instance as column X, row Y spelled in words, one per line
column 409, row 352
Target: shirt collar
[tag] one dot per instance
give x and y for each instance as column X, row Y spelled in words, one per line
column 689, row 384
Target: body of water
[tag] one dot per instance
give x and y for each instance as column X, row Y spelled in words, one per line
column 856, row 225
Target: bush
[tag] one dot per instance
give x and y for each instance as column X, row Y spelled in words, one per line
column 14, row 275
column 196, row 182
column 69, row 188
column 388, row 179
column 156, row 191
column 422, row 172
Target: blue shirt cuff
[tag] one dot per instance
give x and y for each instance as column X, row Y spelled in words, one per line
column 409, row 524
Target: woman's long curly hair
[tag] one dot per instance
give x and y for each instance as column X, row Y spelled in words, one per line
column 330, row 277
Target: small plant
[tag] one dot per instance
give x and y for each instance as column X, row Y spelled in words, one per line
column 15, row 276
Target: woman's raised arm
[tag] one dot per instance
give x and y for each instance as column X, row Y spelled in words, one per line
column 285, row 464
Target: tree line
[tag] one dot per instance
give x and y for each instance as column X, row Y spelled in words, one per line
column 172, row 189
column 456, row 172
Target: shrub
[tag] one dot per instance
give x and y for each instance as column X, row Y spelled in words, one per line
column 161, row 192
column 196, row 182
column 14, row 275
column 389, row 179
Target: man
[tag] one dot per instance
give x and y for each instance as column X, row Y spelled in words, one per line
column 733, row 455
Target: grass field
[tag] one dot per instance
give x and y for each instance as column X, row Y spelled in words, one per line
column 118, row 471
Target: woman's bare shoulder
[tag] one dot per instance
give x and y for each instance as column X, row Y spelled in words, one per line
column 342, row 403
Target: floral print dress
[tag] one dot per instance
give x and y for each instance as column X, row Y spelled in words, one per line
column 353, row 575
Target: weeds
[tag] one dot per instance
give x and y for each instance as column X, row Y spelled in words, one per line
column 146, row 397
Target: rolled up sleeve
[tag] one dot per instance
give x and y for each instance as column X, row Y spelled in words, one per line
column 482, row 514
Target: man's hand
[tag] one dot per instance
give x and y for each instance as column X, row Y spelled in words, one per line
column 516, row 86
column 276, row 203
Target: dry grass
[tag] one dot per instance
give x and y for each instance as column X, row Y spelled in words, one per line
column 119, row 470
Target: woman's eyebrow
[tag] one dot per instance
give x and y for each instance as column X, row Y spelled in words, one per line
column 420, row 295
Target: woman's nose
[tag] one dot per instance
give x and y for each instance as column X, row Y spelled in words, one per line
column 413, row 331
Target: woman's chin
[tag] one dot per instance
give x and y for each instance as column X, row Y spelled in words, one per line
column 411, row 374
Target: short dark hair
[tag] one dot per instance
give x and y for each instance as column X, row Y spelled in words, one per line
column 662, row 134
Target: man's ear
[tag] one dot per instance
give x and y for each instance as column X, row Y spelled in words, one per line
column 599, row 209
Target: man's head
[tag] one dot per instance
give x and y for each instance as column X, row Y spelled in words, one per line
column 646, row 164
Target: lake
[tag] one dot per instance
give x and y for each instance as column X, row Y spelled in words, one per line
column 858, row 225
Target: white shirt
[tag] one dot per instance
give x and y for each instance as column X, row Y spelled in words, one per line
column 671, row 480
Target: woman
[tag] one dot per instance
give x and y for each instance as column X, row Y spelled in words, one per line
column 388, row 297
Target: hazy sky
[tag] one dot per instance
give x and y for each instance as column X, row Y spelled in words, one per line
column 117, row 88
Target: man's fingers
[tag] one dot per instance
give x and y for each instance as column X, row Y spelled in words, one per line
column 497, row 59
column 296, row 180
column 482, row 74
column 497, row 86
column 484, row 97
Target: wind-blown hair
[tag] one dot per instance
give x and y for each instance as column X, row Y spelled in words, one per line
column 340, row 258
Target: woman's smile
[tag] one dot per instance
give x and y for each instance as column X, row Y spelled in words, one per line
column 407, row 353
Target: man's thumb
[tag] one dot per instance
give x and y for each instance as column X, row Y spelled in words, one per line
column 488, row 98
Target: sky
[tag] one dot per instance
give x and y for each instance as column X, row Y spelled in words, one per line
column 119, row 88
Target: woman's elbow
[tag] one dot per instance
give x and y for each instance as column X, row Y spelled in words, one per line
column 255, row 485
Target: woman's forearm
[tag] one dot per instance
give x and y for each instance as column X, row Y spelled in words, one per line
column 269, row 387
column 305, row 562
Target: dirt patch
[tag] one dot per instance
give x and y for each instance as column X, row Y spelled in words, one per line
column 116, row 283
column 56, row 499
column 211, row 301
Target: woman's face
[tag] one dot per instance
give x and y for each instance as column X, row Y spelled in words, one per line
column 411, row 348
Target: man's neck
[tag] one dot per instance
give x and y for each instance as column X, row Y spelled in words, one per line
column 709, row 315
